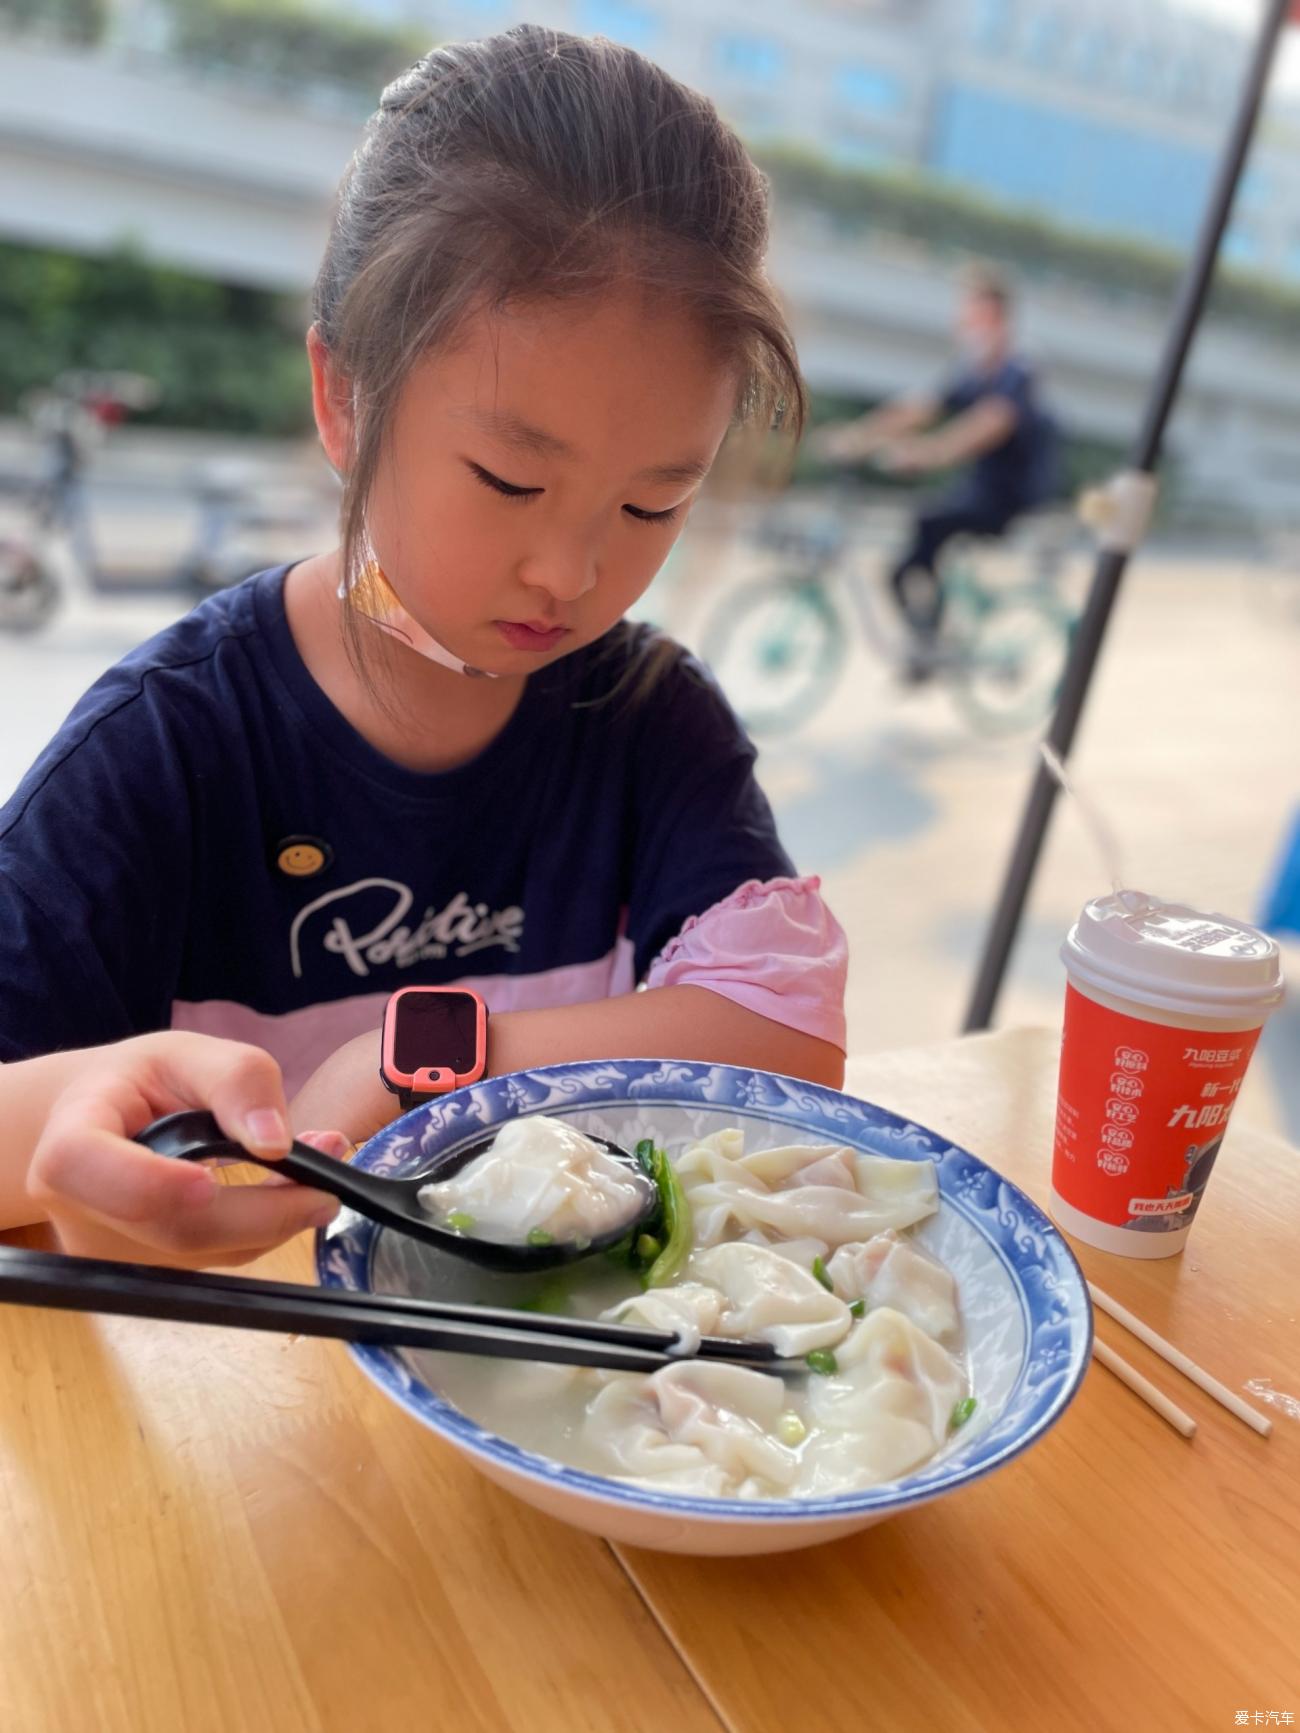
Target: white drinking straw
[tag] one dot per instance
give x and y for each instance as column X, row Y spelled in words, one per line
column 1144, row 1388
column 1177, row 1359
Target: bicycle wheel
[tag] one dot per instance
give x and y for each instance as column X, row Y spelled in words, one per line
column 1010, row 664
column 29, row 590
column 776, row 648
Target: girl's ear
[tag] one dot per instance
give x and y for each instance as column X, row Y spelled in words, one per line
column 331, row 403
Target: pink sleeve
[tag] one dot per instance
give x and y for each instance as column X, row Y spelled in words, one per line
column 773, row 947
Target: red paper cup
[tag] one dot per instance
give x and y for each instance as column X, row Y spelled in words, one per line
column 1163, row 1007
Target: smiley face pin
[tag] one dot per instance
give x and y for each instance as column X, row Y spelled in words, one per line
column 302, row 857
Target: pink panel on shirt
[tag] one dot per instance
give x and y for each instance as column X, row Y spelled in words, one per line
column 301, row 1040
column 773, row 947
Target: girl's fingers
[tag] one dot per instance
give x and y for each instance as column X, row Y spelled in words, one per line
column 84, row 1164
column 237, row 1221
column 240, row 1219
column 85, row 1236
column 238, row 1083
column 329, row 1143
column 96, row 1183
column 83, row 1159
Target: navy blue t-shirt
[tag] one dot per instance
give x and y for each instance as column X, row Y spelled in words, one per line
column 1021, row 472
column 150, row 876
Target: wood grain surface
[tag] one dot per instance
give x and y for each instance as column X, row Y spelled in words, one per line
column 206, row 1531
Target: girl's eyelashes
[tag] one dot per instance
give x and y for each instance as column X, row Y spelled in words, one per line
column 509, row 491
column 504, row 487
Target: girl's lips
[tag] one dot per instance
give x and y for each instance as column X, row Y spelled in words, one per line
column 522, row 637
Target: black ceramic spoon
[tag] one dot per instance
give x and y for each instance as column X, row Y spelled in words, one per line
column 394, row 1203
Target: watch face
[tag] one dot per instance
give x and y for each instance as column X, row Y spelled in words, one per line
column 436, row 1030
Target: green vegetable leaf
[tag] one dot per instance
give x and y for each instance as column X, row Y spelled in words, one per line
column 962, row 1412
column 819, row 1270
column 623, row 1255
column 675, row 1224
column 858, row 1309
column 823, row 1361
column 460, row 1220
column 540, row 1237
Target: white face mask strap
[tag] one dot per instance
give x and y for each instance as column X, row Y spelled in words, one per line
column 377, row 602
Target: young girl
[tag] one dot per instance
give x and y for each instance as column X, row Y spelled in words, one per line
column 435, row 754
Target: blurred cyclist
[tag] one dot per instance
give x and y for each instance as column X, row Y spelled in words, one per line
column 995, row 431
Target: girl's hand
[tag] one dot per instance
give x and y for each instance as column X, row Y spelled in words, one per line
column 110, row 1197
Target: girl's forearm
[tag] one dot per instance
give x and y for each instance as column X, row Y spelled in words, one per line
column 663, row 1022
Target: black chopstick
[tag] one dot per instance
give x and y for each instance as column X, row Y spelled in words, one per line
column 419, row 1310
column 199, row 1297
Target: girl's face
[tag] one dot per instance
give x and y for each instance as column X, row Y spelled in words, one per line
column 539, row 471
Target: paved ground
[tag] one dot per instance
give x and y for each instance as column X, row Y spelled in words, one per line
column 1190, row 744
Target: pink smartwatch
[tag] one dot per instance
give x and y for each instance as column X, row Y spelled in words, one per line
column 434, row 1040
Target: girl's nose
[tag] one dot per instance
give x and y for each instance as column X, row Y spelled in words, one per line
column 564, row 572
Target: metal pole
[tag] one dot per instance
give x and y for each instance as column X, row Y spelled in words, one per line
column 1111, row 563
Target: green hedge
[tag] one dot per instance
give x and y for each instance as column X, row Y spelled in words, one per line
column 288, row 42
column 944, row 219
column 225, row 358
column 230, row 358
column 81, row 22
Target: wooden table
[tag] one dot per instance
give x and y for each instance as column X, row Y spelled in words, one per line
column 215, row 1530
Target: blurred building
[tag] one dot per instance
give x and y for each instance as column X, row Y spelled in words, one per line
column 1103, row 115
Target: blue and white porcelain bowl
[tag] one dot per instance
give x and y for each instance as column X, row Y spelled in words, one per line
column 1023, row 1298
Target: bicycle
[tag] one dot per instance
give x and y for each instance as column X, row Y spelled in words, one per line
column 779, row 642
column 58, row 551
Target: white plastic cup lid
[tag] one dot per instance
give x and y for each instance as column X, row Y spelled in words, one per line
column 1173, row 957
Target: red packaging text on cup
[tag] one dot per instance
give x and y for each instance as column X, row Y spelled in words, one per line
column 1163, row 1009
